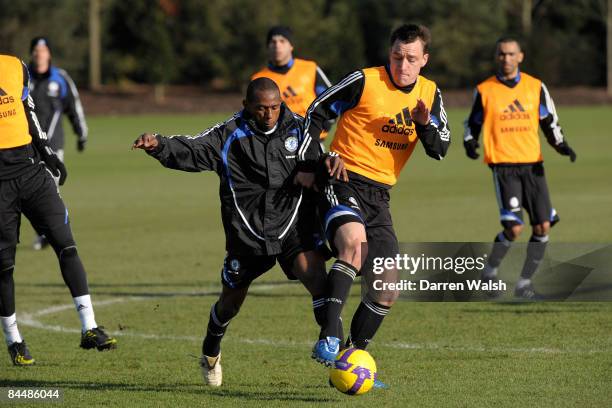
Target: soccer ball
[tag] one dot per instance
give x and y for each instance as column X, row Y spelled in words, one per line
column 353, row 372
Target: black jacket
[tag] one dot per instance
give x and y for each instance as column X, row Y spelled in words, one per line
column 259, row 203
column 54, row 93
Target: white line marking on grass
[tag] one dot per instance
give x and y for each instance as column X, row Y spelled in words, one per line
column 31, row 320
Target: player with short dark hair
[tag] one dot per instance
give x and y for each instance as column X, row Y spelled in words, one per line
column 54, row 94
column 508, row 108
column 264, row 214
column 384, row 112
column 28, row 167
column 299, row 80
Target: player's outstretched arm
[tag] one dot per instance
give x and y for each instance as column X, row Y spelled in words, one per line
column 432, row 126
column 187, row 153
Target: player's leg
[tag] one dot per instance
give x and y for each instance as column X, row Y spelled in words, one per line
column 346, row 232
column 10, row 217
column 307, row 265
column 508, row 191
column 41, row 241
column 537, row 204
column 236, row 276
column 43, row 206
column 375, row 304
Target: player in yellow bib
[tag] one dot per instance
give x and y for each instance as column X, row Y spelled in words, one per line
column 509, row 108
column 299, row 80
column 28, row 167
column 384, row 113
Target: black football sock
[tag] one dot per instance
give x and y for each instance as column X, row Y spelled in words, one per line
column 339, row 281
column 319, row 308
column 535, row 253
column 7, row 284
column 217, row 325
column 501, row 246
column 73, row 271
column 366, row 321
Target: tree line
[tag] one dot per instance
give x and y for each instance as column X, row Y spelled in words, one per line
column 220, row 43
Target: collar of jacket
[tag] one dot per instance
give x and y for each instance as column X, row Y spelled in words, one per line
column 285, row 121
column 512, row 82
column 36, row 75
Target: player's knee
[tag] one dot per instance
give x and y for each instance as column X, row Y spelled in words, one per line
column 67, row 252
column 61, row 240
column 541, row 229
column 513, row 232
column 353, row 249
column 7, row 261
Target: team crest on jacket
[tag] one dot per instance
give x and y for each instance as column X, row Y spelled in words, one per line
column 53, row 89
column 291, row 143
column 235, row 265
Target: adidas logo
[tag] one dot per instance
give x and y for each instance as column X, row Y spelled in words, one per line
column 402, row 124
column 514, row 111
column 514, row 106
column 81, row 307
column 4, row 98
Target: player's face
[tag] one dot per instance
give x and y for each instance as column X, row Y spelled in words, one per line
column 265, row 109
column 41, row 55
column 406, row 61
column 279, row 50
column 509, row 56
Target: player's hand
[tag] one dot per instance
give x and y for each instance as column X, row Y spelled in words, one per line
column 470, row 148
column 420, row 113
column 81, row 144
column 146, row 141
column 565, row 150
column 305, row 179
column 335, row 167
column 55, row 165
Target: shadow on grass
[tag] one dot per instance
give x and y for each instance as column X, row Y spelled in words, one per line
column 309, row 393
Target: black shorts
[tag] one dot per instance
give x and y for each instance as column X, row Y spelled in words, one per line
column 365, row 202
column 240, row 269
column 34, row 194
column 522, row 186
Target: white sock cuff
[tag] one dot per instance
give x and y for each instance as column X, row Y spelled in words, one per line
column 10, row 329
column 84, row 308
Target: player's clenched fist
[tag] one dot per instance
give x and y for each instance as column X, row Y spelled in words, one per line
column 146, row 141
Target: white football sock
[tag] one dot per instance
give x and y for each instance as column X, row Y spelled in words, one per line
column 489, row 272
column 522, row 283
column 86, row 313
column 9, row 327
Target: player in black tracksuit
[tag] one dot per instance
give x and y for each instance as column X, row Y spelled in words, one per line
column 54, row 94
column 265, row 215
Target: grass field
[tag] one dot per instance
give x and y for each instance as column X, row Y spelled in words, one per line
column 152, row 242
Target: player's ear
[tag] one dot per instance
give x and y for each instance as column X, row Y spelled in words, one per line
column 425, row 59
column 244, row 103
column 520, row 57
